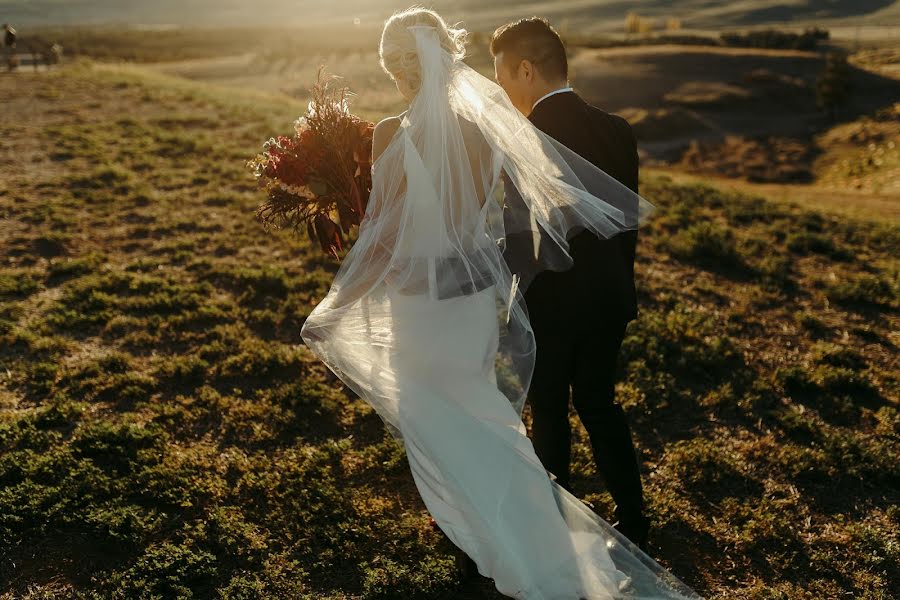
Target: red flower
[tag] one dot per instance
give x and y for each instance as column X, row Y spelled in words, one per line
column 330, row 157
column 362, row 150
column 329, row 234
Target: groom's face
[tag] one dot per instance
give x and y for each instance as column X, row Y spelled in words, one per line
column 514, row 80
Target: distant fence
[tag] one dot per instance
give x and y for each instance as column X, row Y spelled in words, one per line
column 35, row 52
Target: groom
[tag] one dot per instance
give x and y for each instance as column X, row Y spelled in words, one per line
column 578, row 316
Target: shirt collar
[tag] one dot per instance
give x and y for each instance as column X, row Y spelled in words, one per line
column 559, row 91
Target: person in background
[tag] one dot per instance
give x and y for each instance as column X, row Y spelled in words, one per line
column 9, row 46
column 55, row 54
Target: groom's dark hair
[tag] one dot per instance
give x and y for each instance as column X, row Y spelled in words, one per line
column 535, row 40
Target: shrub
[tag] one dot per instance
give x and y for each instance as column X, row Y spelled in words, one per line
column 166, row 570
column 709, row 470
column 804, row 242
column 865, row 290
column 773, row 38
column 775, row 273
column 795, row 380
column 117, row 448
column 811, row 323
column 18, row 283
column 833, row 85
column 73, row 267
column 742, row 210
column 680, row 342
column 706, row 244
column 386, row 579
column 838, row 356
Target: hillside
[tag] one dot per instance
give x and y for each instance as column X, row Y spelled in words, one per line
column 164, row 432
column 593, row 16
column 747, row 113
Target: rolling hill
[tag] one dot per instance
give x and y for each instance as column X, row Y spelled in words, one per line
column 586, row 15
column 164, row 432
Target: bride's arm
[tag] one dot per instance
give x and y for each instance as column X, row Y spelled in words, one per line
column 383, row 134
column 369, row 267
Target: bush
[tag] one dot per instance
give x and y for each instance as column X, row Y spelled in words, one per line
column 18, row 283
column 833, row 85
column 73, row 267
column 775, row 273
column 811, row 323
column 836, row 355
column 166, row 570
column 707, row 469
column 706, row 244
column 118, row 448
column 386, row 579
column 805, row 242
column 772, row 38
column 865, row 290
column 679, row 342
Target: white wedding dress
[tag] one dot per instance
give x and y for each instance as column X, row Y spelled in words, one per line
column 425, row 322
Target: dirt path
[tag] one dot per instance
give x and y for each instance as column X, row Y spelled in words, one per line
column 859, row 205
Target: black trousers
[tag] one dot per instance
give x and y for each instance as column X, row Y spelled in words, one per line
column 583, row 357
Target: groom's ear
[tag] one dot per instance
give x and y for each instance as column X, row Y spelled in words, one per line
column 526, row 70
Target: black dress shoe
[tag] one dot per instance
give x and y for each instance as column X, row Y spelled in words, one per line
column 635, row 529
column 465, row 565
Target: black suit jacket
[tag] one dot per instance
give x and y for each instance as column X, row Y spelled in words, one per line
column 600, row 284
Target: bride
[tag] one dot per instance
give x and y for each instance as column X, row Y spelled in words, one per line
column 426, row 322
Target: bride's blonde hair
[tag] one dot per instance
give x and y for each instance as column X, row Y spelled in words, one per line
column 398, row 46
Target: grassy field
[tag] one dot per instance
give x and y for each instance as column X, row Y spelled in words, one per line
column 165, row 434
column 747, row 113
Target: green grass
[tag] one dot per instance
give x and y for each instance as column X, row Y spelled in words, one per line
column 113, row 43
column 165, row 434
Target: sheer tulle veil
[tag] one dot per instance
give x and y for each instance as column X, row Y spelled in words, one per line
column 398, row 324
column 459, row 136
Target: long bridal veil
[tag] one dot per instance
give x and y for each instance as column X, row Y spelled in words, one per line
column 427, row 275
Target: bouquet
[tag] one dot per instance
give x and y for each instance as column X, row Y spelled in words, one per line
column 320, row 178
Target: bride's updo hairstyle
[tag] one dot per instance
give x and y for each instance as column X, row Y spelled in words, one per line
column 398, row 45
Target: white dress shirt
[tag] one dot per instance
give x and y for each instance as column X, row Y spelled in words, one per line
column 559, row 91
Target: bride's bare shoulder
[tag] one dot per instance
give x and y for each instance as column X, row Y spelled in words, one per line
column 389, row 123
column 383, row 133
